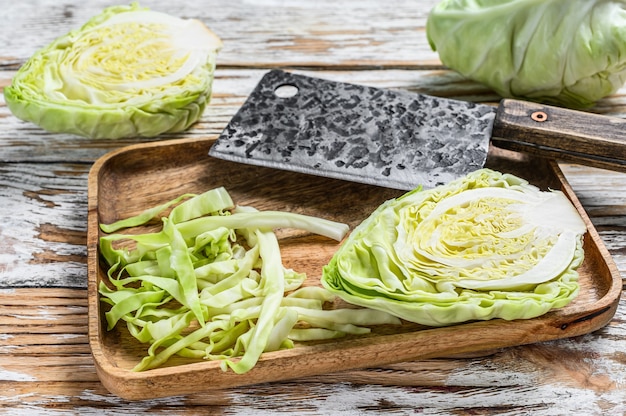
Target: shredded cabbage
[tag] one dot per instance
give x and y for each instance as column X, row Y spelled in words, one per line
column 126, row 72
column 564, row 52
column 489, row 245
column 211, row 284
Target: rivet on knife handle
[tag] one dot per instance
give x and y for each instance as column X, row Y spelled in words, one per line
column 569, row 135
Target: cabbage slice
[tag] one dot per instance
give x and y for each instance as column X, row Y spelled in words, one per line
column 128, row 71
column 211, row 284
column 489, row 245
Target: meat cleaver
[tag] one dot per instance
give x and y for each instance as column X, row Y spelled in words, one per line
column 399, row 139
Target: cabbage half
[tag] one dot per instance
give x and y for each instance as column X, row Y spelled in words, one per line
column 127, row 72
column 488, row 245
column 563, row 52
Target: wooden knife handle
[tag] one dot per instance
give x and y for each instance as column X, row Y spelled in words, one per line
column 554, row 132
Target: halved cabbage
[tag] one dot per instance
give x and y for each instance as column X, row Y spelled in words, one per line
column 489, row 245
column 127, row 72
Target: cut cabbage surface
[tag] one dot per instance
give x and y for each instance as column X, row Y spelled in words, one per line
column 489, row 245
column 128, row 71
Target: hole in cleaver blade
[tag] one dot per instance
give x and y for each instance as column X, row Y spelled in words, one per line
column 358, row 133
column 286, row 91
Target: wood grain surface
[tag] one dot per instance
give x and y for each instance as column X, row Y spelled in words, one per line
column 569, row 135
column 125, row 182
column 46, row 367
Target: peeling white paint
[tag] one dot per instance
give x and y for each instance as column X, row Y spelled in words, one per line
column 41, row 316
column 89, row 395
column 68, row 336
column 6, row 375
column 362, row 399
column 6, row 349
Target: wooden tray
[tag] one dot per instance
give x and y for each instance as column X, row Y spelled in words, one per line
column 126, row 181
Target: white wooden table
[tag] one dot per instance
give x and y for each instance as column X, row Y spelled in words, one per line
column 45, row 362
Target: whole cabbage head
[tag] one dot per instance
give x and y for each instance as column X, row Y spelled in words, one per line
column 562, row 52
column 127, row 72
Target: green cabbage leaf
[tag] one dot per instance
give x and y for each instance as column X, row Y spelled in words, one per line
column 211, row 284
column 489, row 245
column 128, row 71
column 561, row 52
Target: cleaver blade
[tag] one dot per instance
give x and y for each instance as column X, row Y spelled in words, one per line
column 399, row 139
